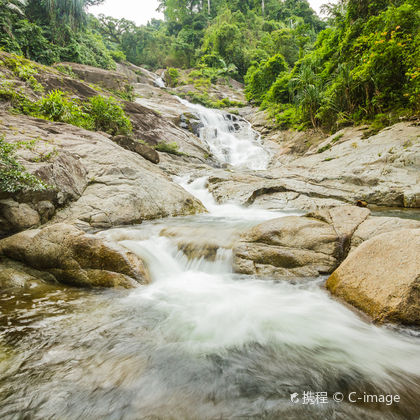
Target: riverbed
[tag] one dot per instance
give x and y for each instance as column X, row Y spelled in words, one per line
column 200, row 342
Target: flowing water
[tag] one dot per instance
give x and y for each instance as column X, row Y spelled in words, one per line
column 199, row 342
column 230, row 138
column 159, row 82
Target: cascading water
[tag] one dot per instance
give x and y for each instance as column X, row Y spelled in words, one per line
column 199, row 342
column 230, row 139
column 159, row 82
column 229, row 211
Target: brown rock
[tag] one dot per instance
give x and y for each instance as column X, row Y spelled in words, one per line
column 289, row 246
column 106, row 78
column 53, row 81
column 18, row 216
column 135, row 146
column 74, row 257
column 374, row 226
column 298, row 246
column 46, row 210
column 382, row 277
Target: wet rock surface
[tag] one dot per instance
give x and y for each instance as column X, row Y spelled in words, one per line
column 298, row 246
column 69, row 256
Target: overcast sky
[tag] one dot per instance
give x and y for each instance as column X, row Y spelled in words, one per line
column 141, row 11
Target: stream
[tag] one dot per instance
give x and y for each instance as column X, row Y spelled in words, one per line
column 200, row 342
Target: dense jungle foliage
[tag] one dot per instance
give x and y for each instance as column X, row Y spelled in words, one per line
column 50, row 31
column 361, row 64
column 365, row 66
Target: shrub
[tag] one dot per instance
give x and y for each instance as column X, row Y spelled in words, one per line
column 226, row 103
column 99, row 113
column 279, row 91
column 107, row 115
column 57, row 107
column 118, row 56
column 13, row 176
column 23, row 69
column 212, row 60
column 172, row 77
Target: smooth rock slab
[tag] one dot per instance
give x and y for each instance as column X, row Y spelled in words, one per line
column 96, row 181
column 374, row 226
column 382, row 277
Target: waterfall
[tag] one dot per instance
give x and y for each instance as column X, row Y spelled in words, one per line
column 230, row 138
column 159, row 82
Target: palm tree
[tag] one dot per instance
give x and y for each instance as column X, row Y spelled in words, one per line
column 9, row 9
column 307, row 92
column 14, row 5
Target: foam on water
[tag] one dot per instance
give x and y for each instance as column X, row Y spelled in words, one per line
column 208, row 308
column 240, row 147
column 230, row 211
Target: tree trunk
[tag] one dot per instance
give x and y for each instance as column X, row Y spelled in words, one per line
column 209, row 6
column 263, row 7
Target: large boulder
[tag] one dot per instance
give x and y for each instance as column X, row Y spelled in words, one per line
column 60, row 169
column 382, row 277
column 108, row 79
column 374, row 226
column 15, row 216
column 137, row 147
column 74, row 257
column 298, row 246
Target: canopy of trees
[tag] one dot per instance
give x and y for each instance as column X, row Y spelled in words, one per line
column 364, row 66
column 362, row 63
column 48, row 31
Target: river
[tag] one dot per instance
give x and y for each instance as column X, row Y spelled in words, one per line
column 200, row 342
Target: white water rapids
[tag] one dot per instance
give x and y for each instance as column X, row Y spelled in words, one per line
column 230, row 139
column 199, row 342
